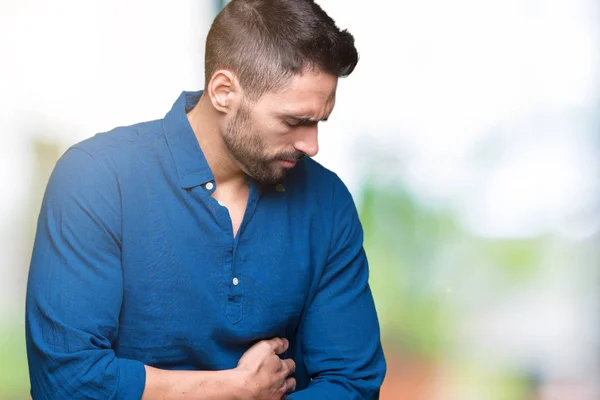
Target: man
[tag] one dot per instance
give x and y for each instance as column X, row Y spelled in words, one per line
column 201, row 256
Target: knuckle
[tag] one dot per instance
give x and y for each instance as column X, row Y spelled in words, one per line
column 282, row 388
column 264, row 345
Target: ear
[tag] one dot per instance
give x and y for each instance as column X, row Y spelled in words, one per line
column 223, row 90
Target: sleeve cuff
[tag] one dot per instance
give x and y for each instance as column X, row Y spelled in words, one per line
column 132, row 379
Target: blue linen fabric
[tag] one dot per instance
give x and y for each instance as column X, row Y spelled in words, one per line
column 135, row 263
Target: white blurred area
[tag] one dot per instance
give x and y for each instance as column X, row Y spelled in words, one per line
column 491, row 107
column 73, row 68
column 440, row 82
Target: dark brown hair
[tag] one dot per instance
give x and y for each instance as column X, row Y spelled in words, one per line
column 266, row 42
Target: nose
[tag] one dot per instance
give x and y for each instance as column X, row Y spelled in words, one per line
column 307, row 141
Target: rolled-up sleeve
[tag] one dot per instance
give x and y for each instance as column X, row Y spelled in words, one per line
column 75, row 288
column 339, row 333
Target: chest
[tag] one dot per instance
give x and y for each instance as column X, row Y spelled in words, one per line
column 192, row 286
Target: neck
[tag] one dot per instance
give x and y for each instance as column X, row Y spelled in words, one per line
column 206, row 122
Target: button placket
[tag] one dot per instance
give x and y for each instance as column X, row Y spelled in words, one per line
column 235, row 305
column 235, row 300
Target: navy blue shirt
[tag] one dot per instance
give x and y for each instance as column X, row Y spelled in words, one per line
column 135, row 263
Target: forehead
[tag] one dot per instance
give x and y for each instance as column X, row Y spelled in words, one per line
column 310, row 94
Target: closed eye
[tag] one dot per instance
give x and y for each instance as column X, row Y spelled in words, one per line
column 294, row 122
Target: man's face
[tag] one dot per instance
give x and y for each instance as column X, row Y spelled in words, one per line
column 270, row 136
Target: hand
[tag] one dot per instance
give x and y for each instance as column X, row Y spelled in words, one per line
column 265, row 376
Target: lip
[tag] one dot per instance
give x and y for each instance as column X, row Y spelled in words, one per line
column 287, row 163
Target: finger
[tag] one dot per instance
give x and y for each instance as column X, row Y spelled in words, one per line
column 290, row 384
column 290, row 365
column 278, row 345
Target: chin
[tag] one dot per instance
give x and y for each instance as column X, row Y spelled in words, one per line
column 272, row 178
column 271, row 174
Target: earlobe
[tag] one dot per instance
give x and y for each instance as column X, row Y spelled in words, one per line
column 222, row 89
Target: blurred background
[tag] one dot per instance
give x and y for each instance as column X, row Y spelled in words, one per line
column 469, row 135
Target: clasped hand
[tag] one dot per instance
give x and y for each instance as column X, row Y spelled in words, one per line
column 264, row 375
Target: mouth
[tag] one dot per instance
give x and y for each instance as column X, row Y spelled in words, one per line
column 288, row 163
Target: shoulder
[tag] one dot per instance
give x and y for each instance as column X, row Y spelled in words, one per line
column 121, row 139
column 320, row 182
column 119, row 151
column 92, row 164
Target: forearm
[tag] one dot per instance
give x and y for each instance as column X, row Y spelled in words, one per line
column 197, row 385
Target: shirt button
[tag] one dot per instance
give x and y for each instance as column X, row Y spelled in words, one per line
column 280, row 188
column 209, row 186
column 236, row 281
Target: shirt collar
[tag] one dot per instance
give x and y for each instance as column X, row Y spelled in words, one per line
column 191, row 165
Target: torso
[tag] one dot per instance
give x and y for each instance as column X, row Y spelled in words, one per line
column 201, row 283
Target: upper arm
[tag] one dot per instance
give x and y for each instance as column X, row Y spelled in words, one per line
column 340, row 330
column 75, row 287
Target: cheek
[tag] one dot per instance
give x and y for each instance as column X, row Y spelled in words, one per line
column 274, row 134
